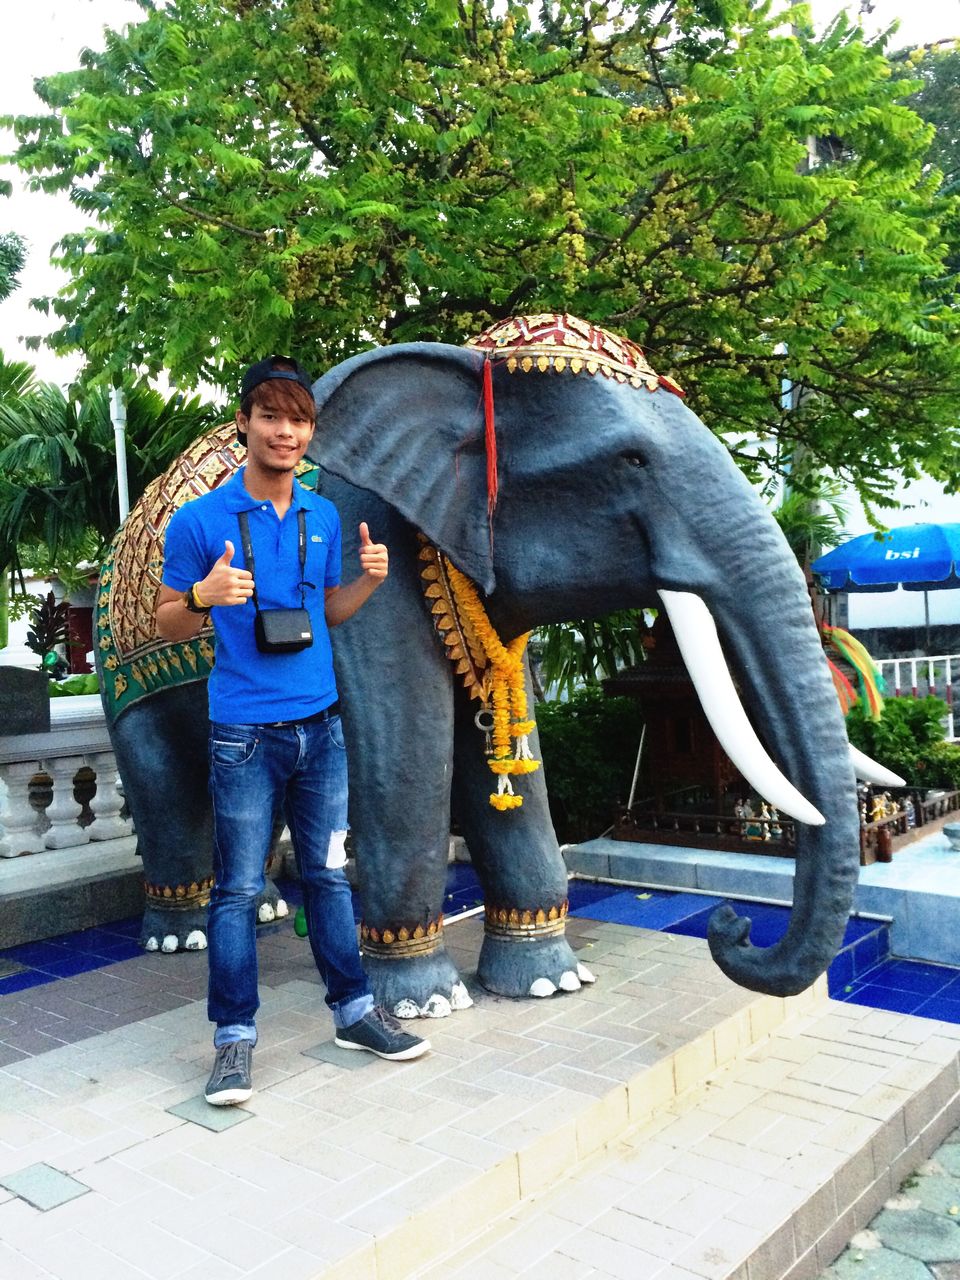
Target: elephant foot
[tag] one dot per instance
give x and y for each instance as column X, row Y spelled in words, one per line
column 170, row 931
column 426, row 986
column 270, row 911
column 270, row 905
column 517, row 967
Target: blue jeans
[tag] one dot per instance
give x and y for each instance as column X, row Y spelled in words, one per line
column 255, row 771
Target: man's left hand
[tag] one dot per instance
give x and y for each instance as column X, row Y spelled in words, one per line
column 373, row 555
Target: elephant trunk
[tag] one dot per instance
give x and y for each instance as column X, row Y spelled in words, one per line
column 803, row 767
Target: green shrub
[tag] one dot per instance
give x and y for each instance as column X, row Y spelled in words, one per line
column 74, row 685
column 943, row 765
column 589, row 748
column 908, row 738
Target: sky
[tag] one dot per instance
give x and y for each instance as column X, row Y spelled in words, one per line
column 43, row 36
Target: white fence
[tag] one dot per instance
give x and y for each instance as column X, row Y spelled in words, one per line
column 918, row 677
column 42, row 775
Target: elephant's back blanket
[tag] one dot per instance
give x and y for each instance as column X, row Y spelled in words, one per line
column 135, row 662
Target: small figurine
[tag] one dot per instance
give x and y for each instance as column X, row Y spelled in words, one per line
column 877, row 809
column 776, row 831
column 740, row 812
column 911, row 813
column 752, row 828
column 765, row 820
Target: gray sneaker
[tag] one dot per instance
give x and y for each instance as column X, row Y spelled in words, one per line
column 231, row 1079
column 379, row 1032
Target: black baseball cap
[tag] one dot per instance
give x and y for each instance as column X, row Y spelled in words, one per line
column 265, row 370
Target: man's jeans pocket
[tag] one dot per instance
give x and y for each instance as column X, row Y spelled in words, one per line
column 232, row 745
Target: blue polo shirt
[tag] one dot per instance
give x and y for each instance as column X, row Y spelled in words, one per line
column 246, row 686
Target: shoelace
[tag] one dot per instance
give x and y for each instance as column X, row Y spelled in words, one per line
column 233, row 1058
column 386, row 1020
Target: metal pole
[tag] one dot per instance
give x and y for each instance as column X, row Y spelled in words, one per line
column 118, row 415
column 636, row 769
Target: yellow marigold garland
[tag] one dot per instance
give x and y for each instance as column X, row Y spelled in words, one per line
column 508, row 693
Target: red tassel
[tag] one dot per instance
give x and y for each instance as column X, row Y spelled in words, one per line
column 490, row 438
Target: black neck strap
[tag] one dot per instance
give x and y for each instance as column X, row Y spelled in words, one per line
column 244, row 523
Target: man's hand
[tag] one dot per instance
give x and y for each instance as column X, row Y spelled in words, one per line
column 373, row 555
column 225, row 585
column 342, row 603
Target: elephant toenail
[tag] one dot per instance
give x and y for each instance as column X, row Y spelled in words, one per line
column 542, row 987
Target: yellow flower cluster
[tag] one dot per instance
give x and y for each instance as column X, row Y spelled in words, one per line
column 508, row 693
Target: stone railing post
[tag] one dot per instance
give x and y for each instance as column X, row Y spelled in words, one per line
column 19, row 820
column 63, row 810
column 77, row 737
column 108, row 800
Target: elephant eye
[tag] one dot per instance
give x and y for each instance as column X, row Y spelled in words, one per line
column 634, row 459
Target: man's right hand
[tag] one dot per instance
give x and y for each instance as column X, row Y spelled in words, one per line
column 225, row 585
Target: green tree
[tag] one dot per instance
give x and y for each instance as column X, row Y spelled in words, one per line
column 812, row 524
column 346, row 172
column 58, row 471
column 16, row 378
column 570, row 655
column 12, row 257
column 938, row 102
column 13, row 254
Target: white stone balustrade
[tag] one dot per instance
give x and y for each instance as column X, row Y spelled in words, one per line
column 77, row 740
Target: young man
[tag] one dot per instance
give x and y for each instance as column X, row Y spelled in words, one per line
column 275, row 734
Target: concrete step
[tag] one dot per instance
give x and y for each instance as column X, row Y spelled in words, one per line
column 763, row 1169
column 661, row 1124
column 62, row 890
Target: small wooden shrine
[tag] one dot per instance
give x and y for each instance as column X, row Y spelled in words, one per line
column 682, row 751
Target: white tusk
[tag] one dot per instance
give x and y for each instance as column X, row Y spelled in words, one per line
column 868, row 770
column 696, row 635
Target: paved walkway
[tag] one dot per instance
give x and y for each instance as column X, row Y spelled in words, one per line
column 660, row 1125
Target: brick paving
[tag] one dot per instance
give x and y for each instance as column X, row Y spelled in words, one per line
column 661, row 1125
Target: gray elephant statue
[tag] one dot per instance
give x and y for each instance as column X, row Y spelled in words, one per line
column 543, row 472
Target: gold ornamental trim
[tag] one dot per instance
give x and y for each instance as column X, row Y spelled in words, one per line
column 401, row 942
column 181, row 897
column 525, row 924
column 462, row 645
column 558, row 341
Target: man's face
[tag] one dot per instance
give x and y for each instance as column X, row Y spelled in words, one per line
column 276, row 439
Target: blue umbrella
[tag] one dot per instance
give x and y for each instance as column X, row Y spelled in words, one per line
column 918, row 557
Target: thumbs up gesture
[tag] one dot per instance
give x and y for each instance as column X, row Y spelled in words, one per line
column 373, row 555
column 225, row 585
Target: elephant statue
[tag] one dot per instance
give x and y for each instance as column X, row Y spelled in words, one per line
column 542, row 472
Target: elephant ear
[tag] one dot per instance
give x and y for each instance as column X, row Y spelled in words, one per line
column 406, row 422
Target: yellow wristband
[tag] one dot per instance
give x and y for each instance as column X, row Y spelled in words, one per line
column 196, row 599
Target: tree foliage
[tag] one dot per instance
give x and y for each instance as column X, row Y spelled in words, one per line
column 938, row 101
column 348, row 172
column 570, row 655
column 13, row 255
